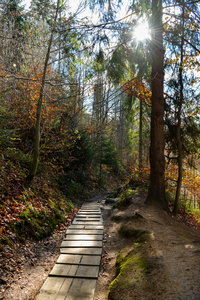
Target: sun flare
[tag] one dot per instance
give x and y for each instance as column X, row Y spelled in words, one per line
column 141, row 31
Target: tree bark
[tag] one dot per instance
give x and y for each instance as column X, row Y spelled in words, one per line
column 36, row 152
column 156, row 192
column 178, row 128
column 140, row 137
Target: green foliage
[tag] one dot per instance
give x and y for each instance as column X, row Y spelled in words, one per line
column 105, row 153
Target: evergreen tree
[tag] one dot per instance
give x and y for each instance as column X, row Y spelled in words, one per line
column 181, row 91
column 156, row 193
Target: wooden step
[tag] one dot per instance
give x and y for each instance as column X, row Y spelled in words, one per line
column 75, row 273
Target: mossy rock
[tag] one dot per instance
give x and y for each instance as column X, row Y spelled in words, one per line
column 131, row 268
column 111, row 200
column 119, row 218
column 140, row 236
column 125, row 199
column 137, row 216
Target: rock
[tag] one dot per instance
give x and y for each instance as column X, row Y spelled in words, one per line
column 111, row 200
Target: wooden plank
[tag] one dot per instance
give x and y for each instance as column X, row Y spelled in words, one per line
column 64, row 270
column 80, row 244
column 84, row 231
column 86, row 223
column 81, row 289
column 89, row 221
column 93, row 216
column 71, row 289
column 88, row 260
column 83, row 237
column 75, row 271
column 96, row 212
column 88, row 213
column 87, row 251
column 90, row 210
column 87, row 271
column 65, row 288
column 74, row 275
column 69, row 259
column 52, row 288
column 86, row 226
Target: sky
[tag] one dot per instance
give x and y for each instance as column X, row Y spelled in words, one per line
column 73, row 3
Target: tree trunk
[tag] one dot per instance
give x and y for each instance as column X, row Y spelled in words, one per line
column 39, row 107
column 156, row 193
column 178, row 128
column 140, row 137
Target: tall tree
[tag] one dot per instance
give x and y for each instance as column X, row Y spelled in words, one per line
column 39, row 104
column 181, row 89
column 156, row 192
column 179, row 120
column 13, row 26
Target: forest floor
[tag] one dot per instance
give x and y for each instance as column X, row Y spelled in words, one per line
column 26, row 266
column 172, row 253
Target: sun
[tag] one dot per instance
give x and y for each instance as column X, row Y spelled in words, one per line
column 141, row 31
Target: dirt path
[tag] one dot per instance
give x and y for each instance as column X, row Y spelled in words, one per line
column 173, row 252
column 27, row 266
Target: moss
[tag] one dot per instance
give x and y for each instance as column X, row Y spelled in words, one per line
column 125, row 199
column 135, row 217
column 37, row 224
column 110, row 200
column 5, row 241
column 185, row 239
column 139, row 235
column 117, row 218
column 131, row 268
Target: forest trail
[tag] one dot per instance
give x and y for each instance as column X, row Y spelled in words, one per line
column 173, row 254
column 76, row 271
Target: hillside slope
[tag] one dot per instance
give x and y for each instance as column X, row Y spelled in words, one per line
column 164, row 265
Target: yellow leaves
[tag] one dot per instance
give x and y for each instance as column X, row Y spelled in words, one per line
column 189, row 62
column 25, row 102
column 138, row 89
column 173, row 60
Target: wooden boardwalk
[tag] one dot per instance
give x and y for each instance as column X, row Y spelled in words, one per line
column 76, row 271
